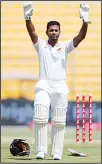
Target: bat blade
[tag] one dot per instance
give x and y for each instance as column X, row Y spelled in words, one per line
column 76, row 153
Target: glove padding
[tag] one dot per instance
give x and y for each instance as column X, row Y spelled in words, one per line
column 84, row 12
column 28, row 10
column 19, row 147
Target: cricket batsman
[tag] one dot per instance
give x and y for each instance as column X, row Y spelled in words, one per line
column 51, row 89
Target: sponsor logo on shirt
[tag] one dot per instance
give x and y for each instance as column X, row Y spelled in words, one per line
column 59, row 49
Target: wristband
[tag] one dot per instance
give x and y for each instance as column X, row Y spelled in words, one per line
column 28, row 18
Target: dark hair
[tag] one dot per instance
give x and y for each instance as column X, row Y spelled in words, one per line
column 52, row 23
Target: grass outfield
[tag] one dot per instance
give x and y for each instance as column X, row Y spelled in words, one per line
column 92, row 149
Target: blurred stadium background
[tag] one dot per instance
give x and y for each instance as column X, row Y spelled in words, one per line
column 19, row 61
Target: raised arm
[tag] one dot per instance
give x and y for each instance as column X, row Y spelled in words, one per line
column 81, row 34
column 28, row 12
column 84, row 13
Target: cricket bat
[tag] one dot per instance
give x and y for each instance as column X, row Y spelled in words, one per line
column 76, row 153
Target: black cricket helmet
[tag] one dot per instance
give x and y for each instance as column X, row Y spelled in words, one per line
column 19, row 147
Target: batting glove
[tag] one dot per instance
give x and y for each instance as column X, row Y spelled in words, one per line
column 28, row 10
column 84, row 12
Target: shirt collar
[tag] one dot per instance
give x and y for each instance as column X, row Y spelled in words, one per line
column 58, row 43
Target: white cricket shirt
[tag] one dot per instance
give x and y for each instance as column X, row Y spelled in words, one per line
column 52, row 60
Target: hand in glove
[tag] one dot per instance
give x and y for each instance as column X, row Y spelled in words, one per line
column 84, row 12
column 28, row 10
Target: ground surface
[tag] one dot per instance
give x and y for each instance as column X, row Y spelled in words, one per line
column 92, row 149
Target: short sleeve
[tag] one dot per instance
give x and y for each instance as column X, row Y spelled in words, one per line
column 38, row 44
column 69, row 46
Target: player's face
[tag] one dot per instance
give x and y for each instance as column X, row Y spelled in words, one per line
column 53, row 32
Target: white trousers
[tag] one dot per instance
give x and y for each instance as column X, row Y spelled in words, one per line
column 52, row 94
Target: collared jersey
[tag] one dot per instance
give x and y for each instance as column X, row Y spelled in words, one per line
column 52, row 60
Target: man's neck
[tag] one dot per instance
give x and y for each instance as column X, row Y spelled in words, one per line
column 52, row 43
